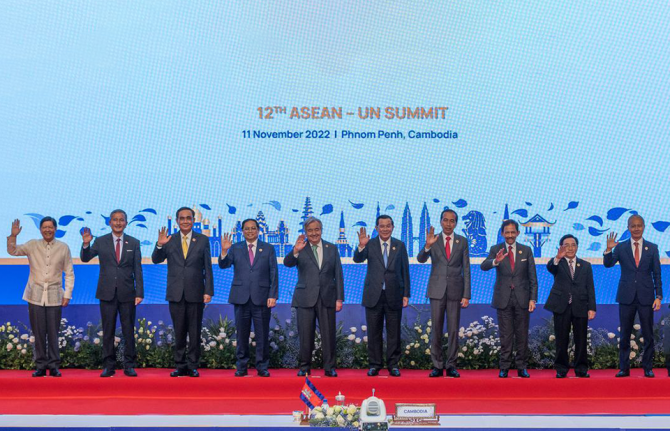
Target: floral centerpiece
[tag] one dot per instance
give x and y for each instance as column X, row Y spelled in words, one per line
column 337, row 416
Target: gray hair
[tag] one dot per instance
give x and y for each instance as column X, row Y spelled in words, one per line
column 311, row 220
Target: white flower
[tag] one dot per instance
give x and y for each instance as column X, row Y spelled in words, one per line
column 429, row 323
column 351, row 409
column 637, row 326
column 277, row 328
column 117, row 339
column 291, row 334
column 234, row 343
column 11, row 336
column 212, row 343
column 418, row 329
column 141, row 330
column 412, row 363
column 427, row 351
column 364, row 328
column 641, row 340
column 220, row 346
column 351, row 337
column 365, row 339
column 353, row 329
column 552, row 337
column 340, row 421
column 24, row 336
column 319, row 416
column 99, row 333
column 350, row 418
column 407, row 352
column 632, row 337
column 358, row 341
column 96, row 341
column 465, row 348
column 253, row 343
column 23, row 351
column 10, row 346
column 610, row 335
column 31, row 339
column 632, row 355
column 252, row 335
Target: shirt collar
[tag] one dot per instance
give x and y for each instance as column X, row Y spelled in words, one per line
column 444, row 236
column 639, row 241
column 255, row 243
column 114, row 237
column 188, row 236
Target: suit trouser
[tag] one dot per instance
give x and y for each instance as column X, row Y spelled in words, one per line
column 126, row 312
column 45, row 324
column 307, row 317
column 627, row 319
column 513, row 323
column 562, row 324
column 187, row 319
column 260, row 315
column 374, row 317
column 437, row 309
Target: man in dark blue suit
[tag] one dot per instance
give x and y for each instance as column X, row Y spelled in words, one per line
column 120, row 288
column 189, row 287
column 640, row 291
column 572, row 299
column 253, row 292
column 385, row 293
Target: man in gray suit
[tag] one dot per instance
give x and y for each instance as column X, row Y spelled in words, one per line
column 514, row 296
column 448, row 288
column 253, row 292
column 318, row 294
column 385, row 293
column 189, row 287
column 120, row 288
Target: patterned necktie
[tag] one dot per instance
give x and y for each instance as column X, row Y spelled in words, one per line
column 251, row 254
column 511, row 257
column 386, row 255
column 184, row 246
column 447, row 247
column 118, row 250
column 572, row 275
column 637, row 254
column 315, row 249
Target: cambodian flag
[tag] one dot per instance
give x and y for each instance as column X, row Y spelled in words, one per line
column 311, row 396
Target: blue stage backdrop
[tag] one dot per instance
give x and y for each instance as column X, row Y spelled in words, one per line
column 554, row 114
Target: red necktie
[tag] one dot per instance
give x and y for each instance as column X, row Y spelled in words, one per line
column 447, row 248
column 118, row 250
column 637, row 254
column 511, row 257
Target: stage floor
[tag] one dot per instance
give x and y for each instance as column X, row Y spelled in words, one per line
column 218, row 392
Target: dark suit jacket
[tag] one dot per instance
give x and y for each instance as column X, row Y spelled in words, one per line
column 524, row 277
column 124, row 278
column 258, row 281
column 452, row 275
column 328, row 282
column 645, row 280
column 581, row 288
column 395, row 275
column 190, row 277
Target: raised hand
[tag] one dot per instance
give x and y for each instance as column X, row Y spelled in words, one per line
column 431, row 238
column 561, row 252
column 86, row 236
column 299, row 244
column 16, row 227
column 363, row 238
column 163, row 236
column 501, row 255
column 611, row 241
column 226, row 242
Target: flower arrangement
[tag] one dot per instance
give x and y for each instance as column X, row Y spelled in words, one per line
column 479, row 346
column 337, row 416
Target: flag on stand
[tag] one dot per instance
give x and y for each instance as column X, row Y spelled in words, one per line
column 311, row 396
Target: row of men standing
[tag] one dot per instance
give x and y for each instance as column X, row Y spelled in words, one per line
column 319, row 292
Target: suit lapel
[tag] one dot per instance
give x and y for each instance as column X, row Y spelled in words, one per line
column 191, row 246
column 440, row 244
column 257, row 256
column 628, row 249
column 245, row 252
column 324, row 256
column 375, row 246
column 578, row 268
column 393, row 251
column 310, row 253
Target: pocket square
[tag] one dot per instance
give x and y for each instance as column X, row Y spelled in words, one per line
column 523, row 260
column 128, row 251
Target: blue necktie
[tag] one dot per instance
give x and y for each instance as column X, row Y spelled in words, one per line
column 386, row 261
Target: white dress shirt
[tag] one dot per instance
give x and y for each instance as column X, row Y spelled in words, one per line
column 48, row 261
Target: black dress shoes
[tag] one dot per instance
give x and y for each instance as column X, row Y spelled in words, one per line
column 55, row 373
column 649, row 373
column 40, row 373
column 453, row 372
column 523, row 373
column 583, row 375
column 303, row 373
column 330, row 373
column 130, row 372
column 394, row 372
column 107, row 372
column 241, row 373
column 668, row 372
column 179, row 372
column 623, row 373
column 373, row 372
column 193, row 373
column 263, row 373
column 561, row 374
column 503, row 374
column 436, row 372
